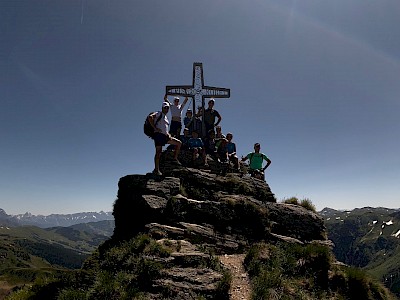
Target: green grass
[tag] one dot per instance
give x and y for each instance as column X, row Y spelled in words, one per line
column 288, row 271
column 123, row 271
column 306, row 203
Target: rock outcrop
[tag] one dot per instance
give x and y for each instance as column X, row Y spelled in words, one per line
column 197, row 212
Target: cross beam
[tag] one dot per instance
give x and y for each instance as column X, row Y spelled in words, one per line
column 198, row 90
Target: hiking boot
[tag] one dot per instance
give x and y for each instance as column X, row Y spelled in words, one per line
column 157, row 172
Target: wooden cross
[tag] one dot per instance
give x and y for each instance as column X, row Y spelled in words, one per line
column 198, row 90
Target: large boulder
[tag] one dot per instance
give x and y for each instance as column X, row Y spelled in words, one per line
column 233, row 205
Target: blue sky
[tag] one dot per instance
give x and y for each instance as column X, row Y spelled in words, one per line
column 317, row 83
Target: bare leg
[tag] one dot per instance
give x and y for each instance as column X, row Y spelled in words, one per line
column 157, row 159
column 177, row 143
column 204, row 156
column 195, row 151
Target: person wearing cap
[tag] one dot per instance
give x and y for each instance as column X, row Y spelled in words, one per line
column 210, row 114
column 176, row 115
column 256, row 159
column 162, row 136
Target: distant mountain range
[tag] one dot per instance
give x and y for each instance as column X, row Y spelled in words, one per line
column 368, row 238
column 53, row 220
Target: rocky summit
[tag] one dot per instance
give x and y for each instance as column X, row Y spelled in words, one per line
column 214, row 233
column 197, row 212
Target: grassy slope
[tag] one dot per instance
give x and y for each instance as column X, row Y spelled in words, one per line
column 29, row 252
column 364, row 238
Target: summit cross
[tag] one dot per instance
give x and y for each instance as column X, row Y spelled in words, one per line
column 198, row 91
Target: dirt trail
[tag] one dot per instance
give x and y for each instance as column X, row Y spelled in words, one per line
column 240, row 287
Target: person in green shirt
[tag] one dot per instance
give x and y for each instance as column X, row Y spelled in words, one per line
column 256, row 160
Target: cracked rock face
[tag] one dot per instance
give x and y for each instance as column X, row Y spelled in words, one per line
column 195, row 213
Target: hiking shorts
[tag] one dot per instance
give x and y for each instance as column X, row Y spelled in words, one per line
column 160, row 139
column 175, row 128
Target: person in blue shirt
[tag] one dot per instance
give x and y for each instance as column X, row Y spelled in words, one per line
column 196, row 145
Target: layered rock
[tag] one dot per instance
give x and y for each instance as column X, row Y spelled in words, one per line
column 207, row 213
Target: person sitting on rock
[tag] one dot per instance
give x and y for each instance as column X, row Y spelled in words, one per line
column 256, row 160
column 185, row 138
column 210, row 144
column 162, row 137
column 176, row 114
column 218, row 135
column 196, row 145
column 231, row 146
column 222, row 150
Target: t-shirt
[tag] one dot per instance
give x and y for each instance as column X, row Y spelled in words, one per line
column 186, row 120
column 210, row 146
column 210, row 115
column 256, row 160
column 195, row 143
column 163, row 124
column 184, row 139
column 222, row 152
column 192, row 124
column 231, row 146
column 176, row 110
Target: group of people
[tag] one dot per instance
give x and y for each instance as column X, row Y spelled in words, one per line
column 214, row 143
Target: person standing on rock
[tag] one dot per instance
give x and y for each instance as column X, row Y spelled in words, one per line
column 210, row 114
column 176, row 115
column 256, row 161
column 162, row 136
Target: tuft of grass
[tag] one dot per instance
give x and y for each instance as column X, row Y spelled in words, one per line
column 306, row 203
column 224, row 285
column 292, row 200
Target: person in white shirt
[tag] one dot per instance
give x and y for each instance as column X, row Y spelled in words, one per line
column 176, row 114
column 162, row 136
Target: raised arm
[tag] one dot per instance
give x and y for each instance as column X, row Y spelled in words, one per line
column 166, row 100
column 184, row 102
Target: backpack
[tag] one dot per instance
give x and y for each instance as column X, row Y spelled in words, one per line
column 147, row 128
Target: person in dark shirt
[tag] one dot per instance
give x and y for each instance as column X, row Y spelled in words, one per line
column 185, row 138
column 231, row 147
column 210, row 114
column 222, row 150
column 210, row 144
